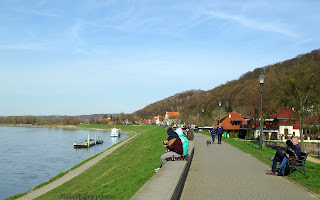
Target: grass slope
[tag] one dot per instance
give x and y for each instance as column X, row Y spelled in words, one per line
column 124, row 171
column 311, row 180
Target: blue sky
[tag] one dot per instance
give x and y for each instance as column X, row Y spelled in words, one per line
column 105, row 56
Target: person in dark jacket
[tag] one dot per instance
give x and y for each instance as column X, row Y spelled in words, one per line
column 173, row 147
column 213, row 132
column 293, row 149
column 289, row 152
column 219, row 131
column 280, row 156
column 171, row 134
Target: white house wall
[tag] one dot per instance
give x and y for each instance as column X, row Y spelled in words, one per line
column 290, row 130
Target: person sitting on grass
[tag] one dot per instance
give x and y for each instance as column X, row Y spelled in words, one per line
column 184, row 140
column 173, row 146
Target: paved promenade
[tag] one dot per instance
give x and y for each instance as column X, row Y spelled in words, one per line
column 221, row 171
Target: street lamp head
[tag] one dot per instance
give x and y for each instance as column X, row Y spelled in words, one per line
column 261, row 78
column 202, row 110
column 219, row 103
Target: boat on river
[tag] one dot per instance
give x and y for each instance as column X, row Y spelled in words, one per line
column 115, row 132
column 87, row 143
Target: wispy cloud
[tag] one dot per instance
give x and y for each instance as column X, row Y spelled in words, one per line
column 274, row 27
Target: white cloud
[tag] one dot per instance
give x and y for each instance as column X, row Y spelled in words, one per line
column 275, row 27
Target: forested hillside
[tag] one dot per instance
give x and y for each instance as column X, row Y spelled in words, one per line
column 286, row 84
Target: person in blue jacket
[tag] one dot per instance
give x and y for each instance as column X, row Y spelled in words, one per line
column 213, row 132
column 220, row 131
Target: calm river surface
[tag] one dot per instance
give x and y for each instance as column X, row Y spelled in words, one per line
column 31, row 155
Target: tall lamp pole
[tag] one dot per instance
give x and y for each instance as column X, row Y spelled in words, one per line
column 219, row 112
column 198, row 119
column 202, row 117
column 261, row 80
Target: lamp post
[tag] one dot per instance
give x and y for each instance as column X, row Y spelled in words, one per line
column 261, row 80
column 318, row 145
column 198, row 119
column 202, row 116
column 219, row 112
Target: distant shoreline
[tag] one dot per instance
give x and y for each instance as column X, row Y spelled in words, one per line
column 50, row 126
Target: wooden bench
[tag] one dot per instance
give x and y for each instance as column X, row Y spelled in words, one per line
column 295, row 163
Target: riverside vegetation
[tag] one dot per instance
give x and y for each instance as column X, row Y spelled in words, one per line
column 310, row 180
column 121, row 173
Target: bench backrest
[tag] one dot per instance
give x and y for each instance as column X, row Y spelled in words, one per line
column 293, row 160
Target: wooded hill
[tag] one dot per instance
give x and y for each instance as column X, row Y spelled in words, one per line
column 284, row 81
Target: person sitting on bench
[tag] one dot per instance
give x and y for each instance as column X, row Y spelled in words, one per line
column 173, row 145
column 184, row 140
column 293, row 149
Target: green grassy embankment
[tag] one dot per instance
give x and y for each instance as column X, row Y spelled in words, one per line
column 124, row 171
column 311, row 180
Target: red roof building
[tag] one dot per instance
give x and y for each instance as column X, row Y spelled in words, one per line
column 232, row 122
column 171, row 118
column 172, row 115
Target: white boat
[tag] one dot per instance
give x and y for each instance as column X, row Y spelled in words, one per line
column 115, row 132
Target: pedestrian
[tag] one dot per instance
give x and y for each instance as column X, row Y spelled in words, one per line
column 190, row 134
column 219, row 131
column 213, row 132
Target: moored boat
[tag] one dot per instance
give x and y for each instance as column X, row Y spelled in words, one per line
column 87, row 143
column 115, row 132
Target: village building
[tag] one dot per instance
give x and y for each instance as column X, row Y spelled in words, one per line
column 171, row 118
column 270, row 126
column 157, row 120
column 112, row 122
column 281, row 126
column 233, row 122
column 288, row 124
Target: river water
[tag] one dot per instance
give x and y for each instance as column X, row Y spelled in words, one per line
column 32, row 155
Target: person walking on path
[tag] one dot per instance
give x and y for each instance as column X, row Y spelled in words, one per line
column 219, row 131
column 213, row 132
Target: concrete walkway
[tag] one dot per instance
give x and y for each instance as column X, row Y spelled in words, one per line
column 70, row 175
column 222, row 171
column 312, row 159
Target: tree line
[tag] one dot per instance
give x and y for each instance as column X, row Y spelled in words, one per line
column 38, row 121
